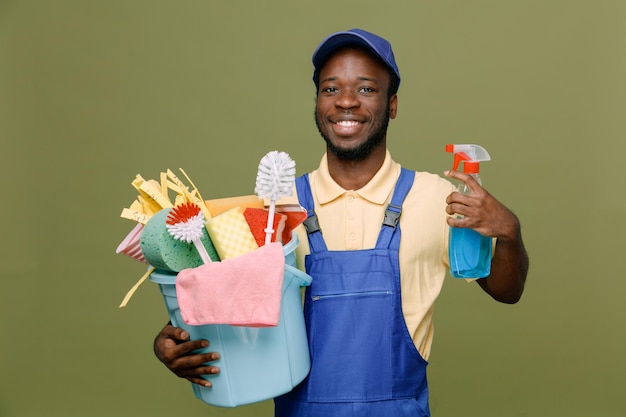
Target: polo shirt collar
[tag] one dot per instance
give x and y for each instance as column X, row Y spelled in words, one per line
column 376, row 191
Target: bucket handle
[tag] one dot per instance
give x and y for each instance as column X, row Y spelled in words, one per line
column 303, row 278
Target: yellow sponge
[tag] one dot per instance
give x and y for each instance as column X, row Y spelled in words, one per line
column 230, row 234
column 219, row 205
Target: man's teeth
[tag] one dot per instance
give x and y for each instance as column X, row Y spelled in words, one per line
column 348, row 123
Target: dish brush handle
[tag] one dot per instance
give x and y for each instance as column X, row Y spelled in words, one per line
column 204, row 255
column 269, row 230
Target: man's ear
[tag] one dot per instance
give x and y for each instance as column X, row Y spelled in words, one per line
column 393, row 106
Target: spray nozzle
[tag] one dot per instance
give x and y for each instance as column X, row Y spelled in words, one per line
column 470, row 154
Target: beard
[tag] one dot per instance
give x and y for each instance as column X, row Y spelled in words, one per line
column 362, row 151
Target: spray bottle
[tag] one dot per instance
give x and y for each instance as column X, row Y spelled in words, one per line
column 468, row 250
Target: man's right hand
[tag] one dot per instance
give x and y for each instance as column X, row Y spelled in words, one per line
column 173, row 347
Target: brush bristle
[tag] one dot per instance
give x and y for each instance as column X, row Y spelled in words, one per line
column 276, row 175
column 182, row 213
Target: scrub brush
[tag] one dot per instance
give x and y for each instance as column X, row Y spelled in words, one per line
column 185, row 222
column 274, row 180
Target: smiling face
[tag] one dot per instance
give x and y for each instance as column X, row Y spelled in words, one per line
column 353, row 108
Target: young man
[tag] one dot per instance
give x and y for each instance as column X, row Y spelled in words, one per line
column 369, row 308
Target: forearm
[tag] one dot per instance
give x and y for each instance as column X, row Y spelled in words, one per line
column 509, row 268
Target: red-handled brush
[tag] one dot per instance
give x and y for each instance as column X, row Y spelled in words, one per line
column 185, row 223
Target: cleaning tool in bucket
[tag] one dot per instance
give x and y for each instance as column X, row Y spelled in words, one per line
column 241, row 291
column 130, row 246
column 275, row 179
column 257, row 221
column 185, row 222
column 230, row 234
column 163, row 251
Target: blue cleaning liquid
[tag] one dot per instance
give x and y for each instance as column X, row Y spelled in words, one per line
column 470, row 253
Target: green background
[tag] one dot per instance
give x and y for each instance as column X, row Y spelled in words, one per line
column 94, row 92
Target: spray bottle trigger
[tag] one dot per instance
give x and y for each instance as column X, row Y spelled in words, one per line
column 458, row 157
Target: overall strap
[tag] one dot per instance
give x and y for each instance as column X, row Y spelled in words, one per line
column 311, row 224
column 394, row 210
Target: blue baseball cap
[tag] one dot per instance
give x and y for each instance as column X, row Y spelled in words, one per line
column 377, row 45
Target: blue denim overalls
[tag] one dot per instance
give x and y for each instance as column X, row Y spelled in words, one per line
column 363, row 360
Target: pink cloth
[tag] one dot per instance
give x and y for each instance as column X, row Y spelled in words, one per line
column 241, row 291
